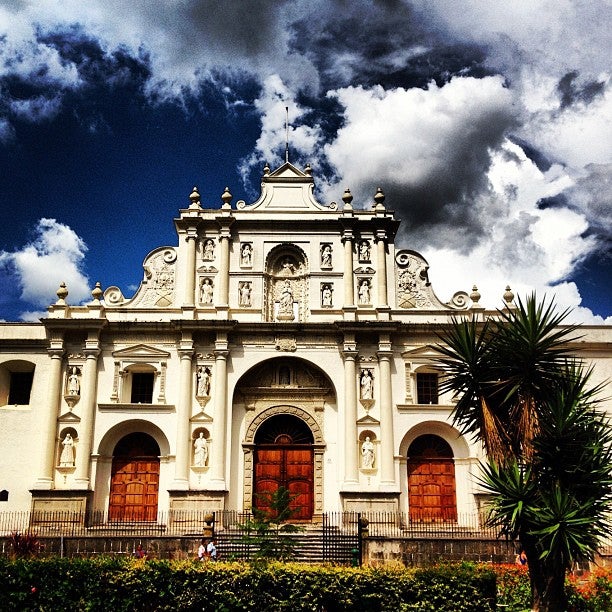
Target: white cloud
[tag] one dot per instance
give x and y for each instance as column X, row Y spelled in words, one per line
column 54, row 256
column 409, row 136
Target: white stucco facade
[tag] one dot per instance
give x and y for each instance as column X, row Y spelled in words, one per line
column 281, row 328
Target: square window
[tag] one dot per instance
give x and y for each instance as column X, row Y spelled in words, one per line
column 427, row 388
column 142, row 387
column 21, row 385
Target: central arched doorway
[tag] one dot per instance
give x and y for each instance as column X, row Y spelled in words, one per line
column 431, row 480
column 284, row 457
column 134, row 479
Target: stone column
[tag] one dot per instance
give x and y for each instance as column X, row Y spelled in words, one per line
column 224, row 265
column 183, row 414
column 218, row 450
column 381, row 273
column 387, row 442
column 88, row 414
column 190, row 269
column 349, row 290
column 351, row 474
column 48, row 422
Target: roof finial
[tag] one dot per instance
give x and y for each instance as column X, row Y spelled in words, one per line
column 286, row 134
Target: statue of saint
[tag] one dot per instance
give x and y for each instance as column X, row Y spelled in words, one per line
column 206, row 291
column 246, row 254
column 364, row 251
column 245, row 293
column 364, row 291
column 209, row 250
column 326, row 296
column 285, row 302
column 326, row 256
column 203, row 382
column 200, row 453
column 67, row 454
column 74, row 383
column 367, row 385
column 367, row 453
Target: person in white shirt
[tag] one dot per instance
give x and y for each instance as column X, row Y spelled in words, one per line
column 211, row 550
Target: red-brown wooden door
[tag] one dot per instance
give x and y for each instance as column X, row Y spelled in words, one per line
column 134, row 480
column 431, row 480
column 284, row 457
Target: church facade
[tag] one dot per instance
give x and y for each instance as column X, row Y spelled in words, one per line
column 279, row 343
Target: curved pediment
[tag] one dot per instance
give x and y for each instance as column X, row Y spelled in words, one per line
column 287, row 189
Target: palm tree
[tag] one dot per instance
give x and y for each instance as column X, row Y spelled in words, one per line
column 548, row 446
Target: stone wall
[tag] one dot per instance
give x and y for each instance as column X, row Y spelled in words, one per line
column 381, row 551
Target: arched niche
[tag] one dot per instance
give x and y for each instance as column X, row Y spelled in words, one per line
column 286, row 284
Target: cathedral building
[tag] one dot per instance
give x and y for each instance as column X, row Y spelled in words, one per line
column 279, row 343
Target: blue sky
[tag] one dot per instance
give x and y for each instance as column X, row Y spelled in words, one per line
column 487, row 126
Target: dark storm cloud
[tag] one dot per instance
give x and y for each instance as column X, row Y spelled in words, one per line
column 572, row 91
column 94, row 64
column 381, row 43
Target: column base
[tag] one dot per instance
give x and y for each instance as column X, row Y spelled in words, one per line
column 43, row 484
column 370, row 501
column 180, row 485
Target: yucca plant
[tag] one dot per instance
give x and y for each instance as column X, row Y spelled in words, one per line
column 548, row 444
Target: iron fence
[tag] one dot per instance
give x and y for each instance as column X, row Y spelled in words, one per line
column 197, row 522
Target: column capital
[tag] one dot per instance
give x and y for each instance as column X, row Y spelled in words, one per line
column 221, row 353
column 55, row 352
column 350, row 354
column 381, row 234
column 186, row 353
column 347, row 235
column 92, row 353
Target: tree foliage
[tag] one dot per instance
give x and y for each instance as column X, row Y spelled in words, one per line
column 533, row 405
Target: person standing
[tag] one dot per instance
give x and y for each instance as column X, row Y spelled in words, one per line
column 211, row 550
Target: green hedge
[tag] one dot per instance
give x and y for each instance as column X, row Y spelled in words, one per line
column 117, row 585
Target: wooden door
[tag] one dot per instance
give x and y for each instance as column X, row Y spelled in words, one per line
column 134, row 481
column 285, row 466
column 431, row 480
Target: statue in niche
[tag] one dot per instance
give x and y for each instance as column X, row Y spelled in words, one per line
column 244, row 291
column 200, row 452
column 285, row 303
column 364, row 250
column 67, row 454
column 326, row 256
column 246, row 254
column 284, row 376
column 366, row 383
column 74, row 382
column 206, row 291
column 287, row 267
column 209, row 250
column 326, row 296
column 203, row 382
column 364, row 291
column 367, row 453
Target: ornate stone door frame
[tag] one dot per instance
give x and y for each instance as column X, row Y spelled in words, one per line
column 248, row 447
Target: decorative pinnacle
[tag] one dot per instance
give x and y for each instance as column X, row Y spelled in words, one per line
column 62, row 294
column 379, row 199
column 195, row 198
column 226, row 196
column 308, row 170
column 97, row 293
column 347, row 198
column 508, row 295
column 475, row 295
column 266, row 169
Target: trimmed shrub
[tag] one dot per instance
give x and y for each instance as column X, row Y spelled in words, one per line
column 127, row 584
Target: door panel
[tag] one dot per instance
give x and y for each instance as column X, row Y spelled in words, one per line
column 134, row 489
column 285, row 466
column 431, row 489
